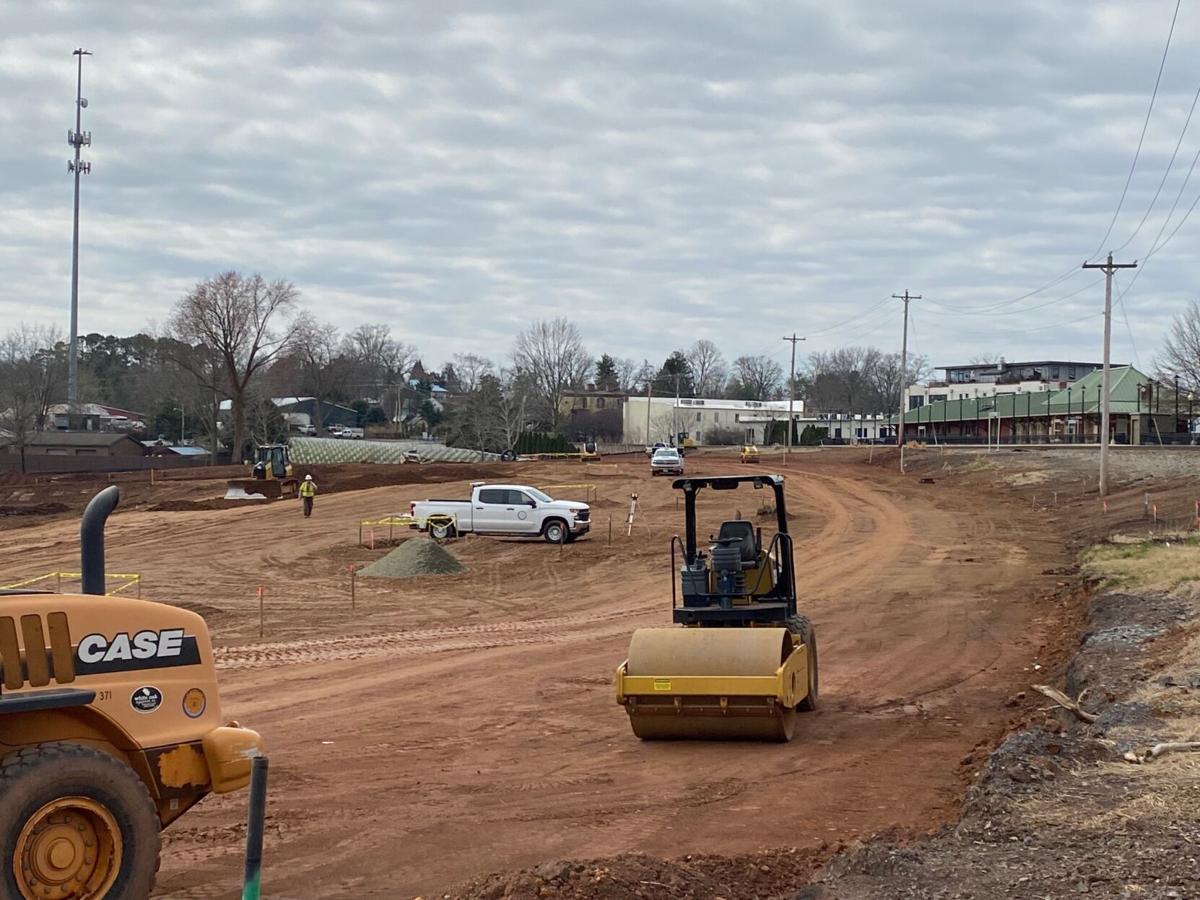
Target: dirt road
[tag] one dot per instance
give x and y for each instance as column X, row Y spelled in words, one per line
column 466, row 724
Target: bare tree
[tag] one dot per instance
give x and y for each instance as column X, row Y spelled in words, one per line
column 986, row 359
column 30, row 375
column 323, row 366
column 244, row 321
column 475, row 419
column 470, row 370
column 552, row 354
column 516, row 390
column 759, row 376
column 888, row 382
column 708, row 368
column 1181, row 353
column 629, row 375
column 383, row 361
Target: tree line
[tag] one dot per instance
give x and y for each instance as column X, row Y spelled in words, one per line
column 244, row 339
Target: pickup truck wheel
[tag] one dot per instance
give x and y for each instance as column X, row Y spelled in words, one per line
column 555, row 531
column 442, row 531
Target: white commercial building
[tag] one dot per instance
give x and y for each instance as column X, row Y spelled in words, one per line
column 695, row 417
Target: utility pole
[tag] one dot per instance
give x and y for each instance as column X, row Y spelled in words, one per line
column 906, row 297
column 674, row 411
column 77, row 139
column 791, row 397
column 649, row 383
column 1108, row 267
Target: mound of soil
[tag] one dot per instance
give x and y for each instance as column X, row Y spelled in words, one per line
column 414, row 558
column 41, row 509
column 772, row 873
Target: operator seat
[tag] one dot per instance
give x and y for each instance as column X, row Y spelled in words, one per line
column 743, row 532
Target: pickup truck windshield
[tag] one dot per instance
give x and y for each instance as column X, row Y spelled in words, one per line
column 539, row 496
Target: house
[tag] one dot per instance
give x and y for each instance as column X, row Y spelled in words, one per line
column 94, row 417
column 78, row 443
column 308, row 411
column 161, row 448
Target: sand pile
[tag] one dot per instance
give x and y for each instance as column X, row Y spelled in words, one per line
column 415, row 557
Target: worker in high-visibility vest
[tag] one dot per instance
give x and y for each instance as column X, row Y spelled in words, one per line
column 308, row 490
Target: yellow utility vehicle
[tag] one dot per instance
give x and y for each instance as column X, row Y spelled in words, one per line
column 740, row 661
column 749, row 453
column 110, row 729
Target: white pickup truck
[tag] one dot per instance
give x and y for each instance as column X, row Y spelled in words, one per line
column 503, row 509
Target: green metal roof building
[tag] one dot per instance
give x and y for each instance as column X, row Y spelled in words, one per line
column 1143, row 410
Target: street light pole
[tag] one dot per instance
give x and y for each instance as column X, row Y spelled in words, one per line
column 77, row 139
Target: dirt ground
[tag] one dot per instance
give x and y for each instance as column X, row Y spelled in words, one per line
column 447, row 728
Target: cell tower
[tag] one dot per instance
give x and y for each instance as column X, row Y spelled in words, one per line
column 77, row 139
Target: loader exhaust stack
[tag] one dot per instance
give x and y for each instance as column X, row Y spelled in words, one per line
column 91, row 540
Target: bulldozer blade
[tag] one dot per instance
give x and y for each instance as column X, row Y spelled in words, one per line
column 251, row 489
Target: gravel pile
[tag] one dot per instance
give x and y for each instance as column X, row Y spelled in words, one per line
column 413, row 558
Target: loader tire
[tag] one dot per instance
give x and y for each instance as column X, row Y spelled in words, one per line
column 75, row 822
column 803, row 629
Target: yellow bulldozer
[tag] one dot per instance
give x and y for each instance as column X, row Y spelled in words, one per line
column 110, row 729
column 740, row 661
column 271, row 476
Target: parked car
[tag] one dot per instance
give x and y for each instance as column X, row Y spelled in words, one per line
column 355, row 434
column 503, row 509
column 307, row 430
column 666, row 461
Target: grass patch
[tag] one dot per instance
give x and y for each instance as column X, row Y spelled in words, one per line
column 1165, row 567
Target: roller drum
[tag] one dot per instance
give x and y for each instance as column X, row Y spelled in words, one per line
column 666, row 653
column 708, row 651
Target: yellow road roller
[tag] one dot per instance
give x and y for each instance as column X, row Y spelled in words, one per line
column 740, row 662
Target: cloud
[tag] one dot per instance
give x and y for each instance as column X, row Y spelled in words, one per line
column 660, row 173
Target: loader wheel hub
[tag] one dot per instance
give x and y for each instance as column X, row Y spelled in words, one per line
column 70, row 849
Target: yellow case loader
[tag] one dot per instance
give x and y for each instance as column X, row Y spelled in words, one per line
column 110, row 729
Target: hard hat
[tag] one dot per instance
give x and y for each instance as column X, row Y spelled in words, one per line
column 308, row 478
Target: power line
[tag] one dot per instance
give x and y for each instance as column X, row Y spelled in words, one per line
column 1170, row 163
column 1156, row 245
column 952, row 311
column 1142, row 137
column 853, row 318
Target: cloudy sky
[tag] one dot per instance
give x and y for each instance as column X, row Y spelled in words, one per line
column 656, row 171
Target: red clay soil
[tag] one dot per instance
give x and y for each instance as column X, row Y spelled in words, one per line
column 455, row 726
